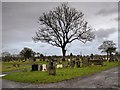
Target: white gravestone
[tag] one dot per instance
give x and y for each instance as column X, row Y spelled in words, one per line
column 44, row 67
column 59, row 66
column 69, row 60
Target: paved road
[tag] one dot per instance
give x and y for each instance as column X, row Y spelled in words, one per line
column 103, row 79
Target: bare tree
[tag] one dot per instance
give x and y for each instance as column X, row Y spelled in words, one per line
column 108, row 47
column 63, row 25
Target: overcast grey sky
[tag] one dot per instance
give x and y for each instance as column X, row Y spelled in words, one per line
column 19, row 23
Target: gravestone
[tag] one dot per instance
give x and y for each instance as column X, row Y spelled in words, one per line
column 96, row 61
column 69, row 60
column 63, row 59
column 35, row 67
column 14, row 65
column 85, row 62
column 34, row 59
column 59, row 66
column 18, row 65
column 43, row 58
column 111, row 58
column 72, row 64
column 44, row 67
column 78, row 63
column 51, row 68
column 40, row 68
column 65, row 65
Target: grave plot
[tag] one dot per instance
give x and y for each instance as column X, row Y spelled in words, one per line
column 96, row 62
column 51, row 68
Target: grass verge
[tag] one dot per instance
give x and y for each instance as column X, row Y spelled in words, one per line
column 62, row 74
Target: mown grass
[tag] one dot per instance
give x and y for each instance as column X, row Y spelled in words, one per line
column 8, row 66
column 61, row 74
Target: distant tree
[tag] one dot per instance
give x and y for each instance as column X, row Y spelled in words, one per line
column 71, row 54
column 27, row 53
column 6, row 56
column 62, row 26
column 91, row 56
column 41, row 55
column 108, row 47
column 37, row 54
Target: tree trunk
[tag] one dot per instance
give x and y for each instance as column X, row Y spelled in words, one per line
column 111, row 58
column 107, row 56
column 64, row 53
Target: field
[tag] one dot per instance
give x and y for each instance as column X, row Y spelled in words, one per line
column 61, row 74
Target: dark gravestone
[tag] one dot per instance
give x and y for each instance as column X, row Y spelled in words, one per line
column 51, row 68
column 35, row 67
column 96, row 62
column 73, row 62
column 34, row 59
column 63, row 59
column 14, row 65
column 78, row 63
column 43, row 58
column 111, row 58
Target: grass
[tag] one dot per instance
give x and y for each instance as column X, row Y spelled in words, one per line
column 61, row 74
column 8, row 66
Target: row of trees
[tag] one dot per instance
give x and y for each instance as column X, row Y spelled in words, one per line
column 25, row 53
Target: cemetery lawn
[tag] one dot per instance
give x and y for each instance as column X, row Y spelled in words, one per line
column 8, row 66
column 61, row 74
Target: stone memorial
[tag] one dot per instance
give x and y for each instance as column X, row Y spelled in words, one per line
column 72, row 64
column 44, row 67
column 14, row 65
column 35, row 67
column 59, row 66
column 34, row 59
column 65, row 65
column 78, row 63
column 51, row 68
column 40, row 68
column 18, row 65
column 69, row 60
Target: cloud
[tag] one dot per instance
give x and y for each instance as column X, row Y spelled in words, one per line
column 106, row 12
column 20, row 23
column 105, row 33
column 116, row 19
